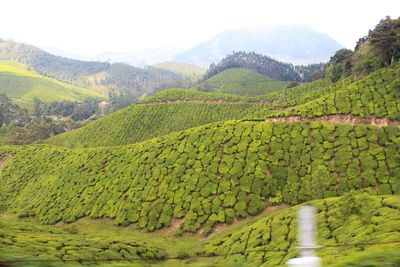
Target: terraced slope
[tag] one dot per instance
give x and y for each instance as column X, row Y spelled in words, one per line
column 22, row 85
column 202, row 176
column 242, row 82
column 375, row 96
column 30, row 240
column 141, row 122
column 179, row 109
column 271, row 241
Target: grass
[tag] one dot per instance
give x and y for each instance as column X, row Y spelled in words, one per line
column 22, row 85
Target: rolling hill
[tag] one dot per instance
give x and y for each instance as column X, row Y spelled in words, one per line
column 179, row 109
column 242, row 82
column 268, row 66
column 187, row 70
column 100, row 76
column 22, row 85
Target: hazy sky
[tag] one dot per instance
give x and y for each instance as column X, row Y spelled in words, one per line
column 89, row 27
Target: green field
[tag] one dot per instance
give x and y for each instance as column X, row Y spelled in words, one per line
column 242, row 82
column 22, row 85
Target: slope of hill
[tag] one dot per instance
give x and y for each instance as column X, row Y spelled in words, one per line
column 270, row 237
column 100, row 76
column 178, row 109
column 145, row 121
column 188, row 70
column 242, row 82
column 268, row 66
column 203, row 176
column 27, row 240
column 298, row 44
column 22, row 85
column 342, row 222
column 375, row 96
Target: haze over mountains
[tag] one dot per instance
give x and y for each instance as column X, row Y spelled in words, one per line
column 296, row 44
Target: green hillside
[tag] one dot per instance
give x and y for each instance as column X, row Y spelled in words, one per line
column 271, row 240
column 187, row 70
column 103, row 77
column 344, row 224
column 22, row 85
column 141, row 122
column 203, row 176
column 179, row 109
column 242, row 82
column 30, row 240
column 375, row 96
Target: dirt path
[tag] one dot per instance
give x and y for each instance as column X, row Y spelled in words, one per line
column 210, row 101
column 339, row 119
column 334, row 119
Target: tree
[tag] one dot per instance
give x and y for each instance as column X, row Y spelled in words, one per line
column 37, row 107
column 340, row 65
column 385, row 39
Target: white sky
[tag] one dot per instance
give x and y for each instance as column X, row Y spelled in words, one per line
column 89, row 27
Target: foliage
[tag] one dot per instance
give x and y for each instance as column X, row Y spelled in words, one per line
column 380, row 48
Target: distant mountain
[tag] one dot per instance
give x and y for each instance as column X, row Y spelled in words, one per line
column 100, row 76
column 297, row 44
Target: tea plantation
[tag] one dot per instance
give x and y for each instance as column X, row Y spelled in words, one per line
column 377, row 95
column 36, row 241
column 140, row 122
column 342, row 222
column 179, row 109
column 206, row 175
column 241, row 82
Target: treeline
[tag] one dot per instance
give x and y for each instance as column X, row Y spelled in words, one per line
column 268, row 66
column 18, row 126
column 380, row 48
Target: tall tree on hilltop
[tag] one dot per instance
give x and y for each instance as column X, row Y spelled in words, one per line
column 385, row 38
